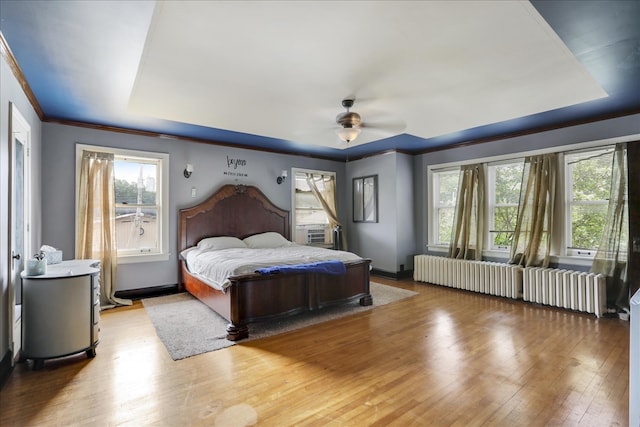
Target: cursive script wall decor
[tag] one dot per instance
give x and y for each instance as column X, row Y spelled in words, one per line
column 235, row 167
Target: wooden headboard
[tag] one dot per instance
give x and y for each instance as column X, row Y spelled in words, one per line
column 233, row 210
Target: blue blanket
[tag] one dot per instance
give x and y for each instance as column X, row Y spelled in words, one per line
column 326, row 267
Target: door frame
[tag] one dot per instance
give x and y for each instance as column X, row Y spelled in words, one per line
column 17, row 125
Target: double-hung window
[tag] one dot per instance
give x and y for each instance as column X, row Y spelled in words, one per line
column 310, row 222
column 580, row 210
column 141, row 203
column 445, row 192
column 504, row 181
column 587, row 186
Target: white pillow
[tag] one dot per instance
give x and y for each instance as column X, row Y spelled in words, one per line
column 266, row 240
column 217, row 243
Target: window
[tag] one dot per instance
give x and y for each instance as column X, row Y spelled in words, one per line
column 141, row 208
column 588, row 180
column 445, row 185
column 310, row 222
column 503, row 195
column 580, row 209
column 365, row 199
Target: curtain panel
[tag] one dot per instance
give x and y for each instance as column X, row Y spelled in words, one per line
column 95, row 226
column 468, row 223
column 531, row 244
column 327, row 199
column 611, row 258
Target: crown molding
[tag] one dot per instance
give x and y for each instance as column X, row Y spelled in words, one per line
column 5, row 51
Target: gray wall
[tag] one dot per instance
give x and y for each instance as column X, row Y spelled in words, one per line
column 210, row 164
column 11, row 92
column 390, row 242
column 405, row 219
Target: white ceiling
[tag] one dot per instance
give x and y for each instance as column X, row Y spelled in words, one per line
column 425, row 68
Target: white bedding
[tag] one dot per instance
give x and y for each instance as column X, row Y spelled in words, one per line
column 214, row 267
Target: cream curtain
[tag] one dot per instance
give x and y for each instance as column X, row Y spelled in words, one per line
column 531, row 244
column 327, row 198
column 95, row 233
column 468, row 222
column 611, row 257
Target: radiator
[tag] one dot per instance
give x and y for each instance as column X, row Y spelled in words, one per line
column 565, row 288
column 479, row 276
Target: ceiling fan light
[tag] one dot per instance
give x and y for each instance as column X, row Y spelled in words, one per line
column 348, row 134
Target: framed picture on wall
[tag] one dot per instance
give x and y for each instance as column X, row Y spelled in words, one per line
column 365, row 199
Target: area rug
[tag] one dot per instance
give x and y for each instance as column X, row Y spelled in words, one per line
column 179, row 319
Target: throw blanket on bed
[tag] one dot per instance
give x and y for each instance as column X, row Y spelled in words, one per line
column 215, row 267
column 327, row 267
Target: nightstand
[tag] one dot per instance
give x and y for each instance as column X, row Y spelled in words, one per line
column 61, row 311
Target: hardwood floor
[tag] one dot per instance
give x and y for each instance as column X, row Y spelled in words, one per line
column 444, row 357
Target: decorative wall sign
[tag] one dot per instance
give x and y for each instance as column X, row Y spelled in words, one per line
column 235, row 166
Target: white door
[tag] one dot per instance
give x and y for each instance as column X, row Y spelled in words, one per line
column 19, row 222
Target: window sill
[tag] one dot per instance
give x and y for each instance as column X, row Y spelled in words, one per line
column 578, row 261
column 134, row 259
column 438, row 249
column 503, row 256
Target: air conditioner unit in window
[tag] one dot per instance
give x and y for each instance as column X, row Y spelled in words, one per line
column 315, row 235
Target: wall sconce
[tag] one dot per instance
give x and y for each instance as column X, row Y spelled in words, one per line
column 188, row 170
column 282, row 177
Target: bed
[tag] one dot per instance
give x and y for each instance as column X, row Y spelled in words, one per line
column 240, row 211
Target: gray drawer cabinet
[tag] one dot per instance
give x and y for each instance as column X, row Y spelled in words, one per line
column 61, row 311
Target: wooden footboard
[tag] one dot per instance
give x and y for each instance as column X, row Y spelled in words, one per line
column 255, row 297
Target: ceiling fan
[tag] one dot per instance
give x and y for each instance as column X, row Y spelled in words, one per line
column 372, row 124
column 351, row 124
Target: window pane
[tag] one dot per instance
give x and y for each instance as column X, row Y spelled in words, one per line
column 505, row 181
column 445, row 224
column 369, row 196
column 591, row 178
column 307, row 200
column 137, row 229
column 311, row 221
column 311, row 217
column 445, row 195
column 135, row 182
column 504, row 224
column 507, row 185
column 447, row 188
column 587, row 222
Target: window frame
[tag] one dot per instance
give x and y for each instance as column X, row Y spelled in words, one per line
column 162, row 198
column 433, row 204
column 491, row 201
column 294, row 171
column 567, row 162
column 559, row 252
column 359, row 193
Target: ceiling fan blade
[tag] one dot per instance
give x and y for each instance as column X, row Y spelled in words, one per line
column 389, row 126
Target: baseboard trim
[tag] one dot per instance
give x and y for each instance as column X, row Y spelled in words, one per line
column 404, row 274
column 154, row 291
column 5, row 368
